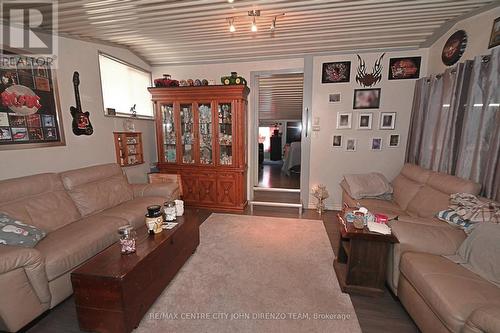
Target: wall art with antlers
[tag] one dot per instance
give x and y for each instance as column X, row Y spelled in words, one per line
column 369, row 79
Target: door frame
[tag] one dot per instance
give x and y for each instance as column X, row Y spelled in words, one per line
column 254, row 132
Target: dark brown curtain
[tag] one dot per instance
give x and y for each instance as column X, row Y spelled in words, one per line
column 455, row 123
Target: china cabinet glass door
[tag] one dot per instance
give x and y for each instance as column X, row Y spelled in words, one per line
column 168, row 128
column 205, row 132
column 187, row 133
column 225, row 134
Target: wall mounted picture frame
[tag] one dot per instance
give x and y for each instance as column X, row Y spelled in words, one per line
column 351, row 144
column 376, row 144
column 344, row 120
column 366, row 98
column 387, row 120
column 337, row 141
column 454, row 48
column 333, row 98
column 336, row 72
column 495, row 34
column 404, row 68
column 365, row 121
column 30, row 112
column 393, row 141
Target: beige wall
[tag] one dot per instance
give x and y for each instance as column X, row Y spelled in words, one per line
column 80, row 151
column 478, row 29
column 328, row 164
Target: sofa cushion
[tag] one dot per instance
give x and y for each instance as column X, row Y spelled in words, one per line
column 428, row 202
column 75, row 243
column 415, row 173
column 450, row 290
column 452, row 184
column 38, row 200
column 389, row 208
column 405, row 190
column 97, row 188
column 133, row 211
column 421, row 235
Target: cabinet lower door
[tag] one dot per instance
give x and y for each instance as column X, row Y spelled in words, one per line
column 226, row 190
column 190, row 188
column 207, row 185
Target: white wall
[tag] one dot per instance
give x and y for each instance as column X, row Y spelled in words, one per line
column 478, row 29
column 80, row 151
column 328, row 164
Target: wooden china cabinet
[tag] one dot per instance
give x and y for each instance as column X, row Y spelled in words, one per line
column 201, row 135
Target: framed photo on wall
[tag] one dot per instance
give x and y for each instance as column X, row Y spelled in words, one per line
column 404, row 68
column 344, row 120
column 337, row 141
column 336, row 72
column 387, row 120
column 365, row 121
column 393, row 140
column 495, row 34
column 366, row 98
column 351, row 144
column 30, row 113
column 334, row 98
column 376, row 144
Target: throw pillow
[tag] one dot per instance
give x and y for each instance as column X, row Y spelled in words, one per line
column 13, row 232
column 480, row 252
column 450, row 216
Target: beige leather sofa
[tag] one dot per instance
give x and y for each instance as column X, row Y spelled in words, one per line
column 440, row 296
column 81, row 211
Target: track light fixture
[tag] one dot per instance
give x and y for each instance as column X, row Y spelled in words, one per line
column 253, row 27
column 273, row 24
column 232, row 28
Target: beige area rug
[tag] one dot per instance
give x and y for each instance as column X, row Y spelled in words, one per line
column 255, row 274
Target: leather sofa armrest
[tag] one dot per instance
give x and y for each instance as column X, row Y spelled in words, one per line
column 439, row 239
column 168, row 191
column 484, row 319
column 23, row 283
column 31, row 260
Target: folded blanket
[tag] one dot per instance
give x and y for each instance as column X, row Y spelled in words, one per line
column 473, row 209
column 372, row 184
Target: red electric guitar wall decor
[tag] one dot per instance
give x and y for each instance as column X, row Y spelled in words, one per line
column 81, row 120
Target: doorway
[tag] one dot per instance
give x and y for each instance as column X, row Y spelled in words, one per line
column 280, row 129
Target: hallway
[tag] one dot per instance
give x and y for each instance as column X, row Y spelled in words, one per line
column 270, row 175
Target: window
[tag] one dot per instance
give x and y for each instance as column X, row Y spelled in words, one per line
column 124, row 85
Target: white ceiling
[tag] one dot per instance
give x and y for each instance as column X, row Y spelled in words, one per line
column 196, row 31
column 280, row 96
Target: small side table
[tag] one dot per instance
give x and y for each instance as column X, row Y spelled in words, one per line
column 361, row 263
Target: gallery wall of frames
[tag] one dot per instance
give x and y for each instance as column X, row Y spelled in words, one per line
column 361, row 108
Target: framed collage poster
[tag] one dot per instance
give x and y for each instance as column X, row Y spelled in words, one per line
column 29, row 109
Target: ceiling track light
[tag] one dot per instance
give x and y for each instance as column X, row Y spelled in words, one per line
column 254, row 13
column 232, row 28
column 273, row 24
column 253, row 27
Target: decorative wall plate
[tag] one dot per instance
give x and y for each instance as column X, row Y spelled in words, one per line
column 454, row 48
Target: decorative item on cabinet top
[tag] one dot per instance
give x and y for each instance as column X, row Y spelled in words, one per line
column 166, row 81
column 233, row 79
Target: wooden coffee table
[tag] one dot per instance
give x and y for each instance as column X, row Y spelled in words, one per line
column 114, row 291
column 362, row 259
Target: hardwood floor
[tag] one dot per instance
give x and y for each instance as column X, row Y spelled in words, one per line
column 382, row 314
column 270, row 175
